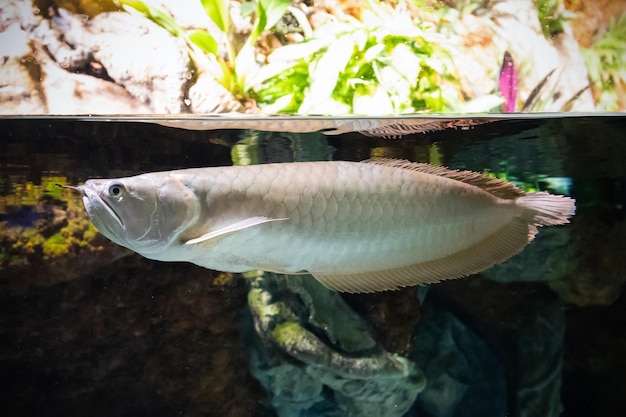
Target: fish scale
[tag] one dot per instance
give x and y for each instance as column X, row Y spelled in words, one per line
column 356, row 208
column 369, row 226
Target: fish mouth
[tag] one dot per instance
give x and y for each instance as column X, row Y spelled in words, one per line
column 103, row 216
column 92, row 197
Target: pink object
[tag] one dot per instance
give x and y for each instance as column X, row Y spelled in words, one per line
column 508, row 83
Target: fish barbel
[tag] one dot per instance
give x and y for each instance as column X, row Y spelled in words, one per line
column 355, row 226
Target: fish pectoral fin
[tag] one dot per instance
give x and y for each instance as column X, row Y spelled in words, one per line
column 498, row 247
column 232, row 228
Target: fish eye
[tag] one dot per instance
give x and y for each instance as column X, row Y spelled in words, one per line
column 116, row 189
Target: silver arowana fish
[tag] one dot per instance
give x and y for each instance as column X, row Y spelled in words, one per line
column 355, row 226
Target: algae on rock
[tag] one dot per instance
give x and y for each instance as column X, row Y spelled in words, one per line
column 312, row 351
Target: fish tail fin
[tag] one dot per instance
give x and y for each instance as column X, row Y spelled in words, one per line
column 544, row 209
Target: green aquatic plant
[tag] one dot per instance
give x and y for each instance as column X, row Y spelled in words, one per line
column 530, row 182
column 383, row 64
column 552, row 16
column 233, row 71
column 46, row 239
column 606, row 63
column 55, row 246
column 28, row 193
column 246, row 151
column 18, row 245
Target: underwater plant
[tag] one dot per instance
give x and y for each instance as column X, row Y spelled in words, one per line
column 239, row 63
column 552, row 16
column 57, row 227
column 384, row 63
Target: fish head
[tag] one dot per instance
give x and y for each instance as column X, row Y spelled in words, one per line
column 145, row 213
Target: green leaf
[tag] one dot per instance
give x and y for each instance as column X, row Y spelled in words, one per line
column 274, row 10
column 218, row 11
column 205, row 41
column 248, row 8
column 324, row 73
column 259, row 23
column 245, row 67
column 297, row 51
column 266, row 72
column 158, row 16
column 269, row 12
column 140, row 6
column 279, row 105
column 227, row 79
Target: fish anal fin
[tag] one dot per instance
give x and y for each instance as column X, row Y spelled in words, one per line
column 497, row 248
column 497, row 187
column 232, row 228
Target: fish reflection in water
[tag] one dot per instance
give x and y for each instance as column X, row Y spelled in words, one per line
column 376, row 225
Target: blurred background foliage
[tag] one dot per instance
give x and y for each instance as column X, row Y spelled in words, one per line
column 606, row 63
column 370, row 56
column 388, row 60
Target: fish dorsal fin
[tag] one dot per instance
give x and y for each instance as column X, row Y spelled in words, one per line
column 499, row 188
column 232, row 228
column 498, row 247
